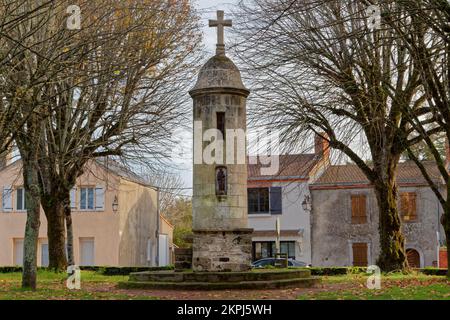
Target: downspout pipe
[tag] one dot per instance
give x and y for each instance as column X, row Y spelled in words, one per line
column 158, row 218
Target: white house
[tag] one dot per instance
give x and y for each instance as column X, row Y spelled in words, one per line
column 284, row 196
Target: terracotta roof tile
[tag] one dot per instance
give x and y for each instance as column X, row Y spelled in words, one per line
column 290, row 166
column 408, row 173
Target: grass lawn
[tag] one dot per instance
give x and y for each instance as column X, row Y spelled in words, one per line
column 415, row 286
column 53, row 286
column 352, row 286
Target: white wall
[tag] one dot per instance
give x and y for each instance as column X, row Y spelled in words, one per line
column 293, row 217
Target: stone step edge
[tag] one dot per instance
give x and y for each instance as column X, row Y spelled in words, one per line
column 146, row 277
column 274, row 284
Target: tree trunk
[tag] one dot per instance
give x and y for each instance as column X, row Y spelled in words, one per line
column 392, row 243
column 68, row 217
column 29, row 274
column 54, row 211
column 445, row 220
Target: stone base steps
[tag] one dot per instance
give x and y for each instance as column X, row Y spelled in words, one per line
column 215, row 277
column 247, row 285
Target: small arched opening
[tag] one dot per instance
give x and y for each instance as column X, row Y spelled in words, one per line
column 413, row 257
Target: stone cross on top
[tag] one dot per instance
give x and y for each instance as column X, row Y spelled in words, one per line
column 220, row 23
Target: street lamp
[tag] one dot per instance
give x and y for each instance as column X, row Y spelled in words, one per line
column 115, row 204
column 306, row 204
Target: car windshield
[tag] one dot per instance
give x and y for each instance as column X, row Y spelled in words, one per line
column 262, row 263
column 297, row 263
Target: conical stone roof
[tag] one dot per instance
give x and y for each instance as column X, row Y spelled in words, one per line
column 219, row 73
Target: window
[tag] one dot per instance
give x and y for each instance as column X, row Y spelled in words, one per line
column 265, row 200
column 87, row 252
column 7, row 199
column 73, row 198
column 408, row 206
column 18, row 252
column 359, row 215
column 92, row 198
column 87, row 198
column 288, row 247
column 21, row 199
column 267, row 249
column 263, row 250
column 258, row 200
column 360, row 254
column 221, row 123
column 44, row 255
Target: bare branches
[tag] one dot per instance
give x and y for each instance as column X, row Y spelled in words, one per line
column 316, row 67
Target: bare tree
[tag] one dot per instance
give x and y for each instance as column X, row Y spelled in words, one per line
column 124, row 99
column 323, row 66
column 32, row 52
column 179, row 213
column 13, row 14
column 170, row 186
column 426, row 37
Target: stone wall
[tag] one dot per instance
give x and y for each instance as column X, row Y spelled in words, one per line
column 209, row 210
column 333, row 233
column 222, row 250
column 183, row 258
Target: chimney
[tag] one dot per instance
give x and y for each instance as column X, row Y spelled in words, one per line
column 321, row 145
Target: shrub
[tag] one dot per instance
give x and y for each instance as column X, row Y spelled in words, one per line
column 104, row 270
column 334, row 271
column 434, row 271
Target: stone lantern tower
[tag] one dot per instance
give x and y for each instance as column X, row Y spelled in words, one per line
column 222, row 240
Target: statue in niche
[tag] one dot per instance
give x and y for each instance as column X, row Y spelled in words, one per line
column 221, row 181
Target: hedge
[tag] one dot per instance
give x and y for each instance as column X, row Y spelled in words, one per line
column 334, row 271
column 315, row 271
column 107, row 271
column 434, row 271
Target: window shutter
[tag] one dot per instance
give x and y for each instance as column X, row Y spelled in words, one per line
column 408, row 206
column 412, row 206
column 73, row 198
column 99, row 198
column 355, row 208
column 362, row 208
column 275, row 200
column 7, row 199
column 404, row 203
column 359, row 214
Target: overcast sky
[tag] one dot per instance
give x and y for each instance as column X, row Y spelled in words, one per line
column 208, row 10
column 182, row 155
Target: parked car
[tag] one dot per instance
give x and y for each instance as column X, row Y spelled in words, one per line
column 271, row 262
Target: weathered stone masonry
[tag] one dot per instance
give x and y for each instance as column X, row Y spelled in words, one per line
column 222, row 239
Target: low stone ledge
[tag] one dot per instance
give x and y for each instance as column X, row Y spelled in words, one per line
column 216, row 277
column 249, row 285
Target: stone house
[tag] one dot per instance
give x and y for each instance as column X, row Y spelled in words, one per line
column 344, row 218
column 282, row 196
column 115, row 219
